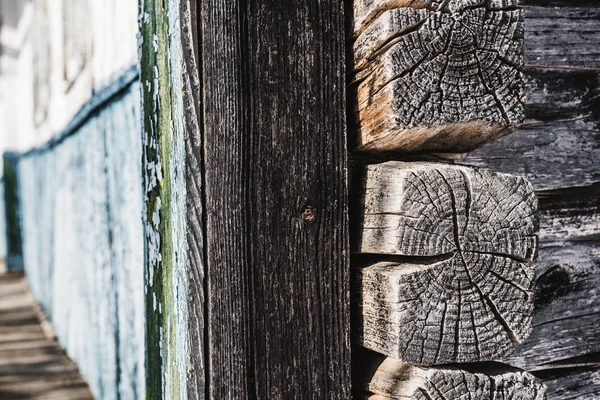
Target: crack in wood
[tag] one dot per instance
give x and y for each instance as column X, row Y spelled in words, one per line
column 484, row 223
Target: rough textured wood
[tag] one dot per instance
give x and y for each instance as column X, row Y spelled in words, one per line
column 437, row 76
column 567, row 306
column 567, row 280
column 557, row 149
column 277, row 273
column 572, row 383
column 562, row 37
column 557, row 145
column 196, row 387
column 429, row 209
column 388, row 378
column 465, row 295
column 32, row 366
column 470, row 308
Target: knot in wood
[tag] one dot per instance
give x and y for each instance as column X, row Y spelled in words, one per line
column 309, row 214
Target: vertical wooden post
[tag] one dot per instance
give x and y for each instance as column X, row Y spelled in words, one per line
column 14, row 246
column 275, row 199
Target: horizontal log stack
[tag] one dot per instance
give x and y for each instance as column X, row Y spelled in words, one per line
column 442, row 252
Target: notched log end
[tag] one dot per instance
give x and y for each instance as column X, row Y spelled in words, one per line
column 469, row 308
column 474, row 302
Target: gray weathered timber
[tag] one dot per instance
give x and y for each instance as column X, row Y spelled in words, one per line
column 437, row 76
column 393, row 379
column 471, row 307
column 275, row 199
column 562, row 37
column 567, row 306
column 462, row 292
column 431, row 209
column 557, row 145
column 572, row 383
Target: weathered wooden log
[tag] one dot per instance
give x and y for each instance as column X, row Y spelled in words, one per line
column 567, row 305
column 462, row 291
column 388, row 378
column 430, row 209
column 437, row 76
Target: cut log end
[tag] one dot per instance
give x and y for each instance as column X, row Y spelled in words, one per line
column 468, row 308
column 461, row 291
column 393, row 379
column 424, row 70
column 428, row 209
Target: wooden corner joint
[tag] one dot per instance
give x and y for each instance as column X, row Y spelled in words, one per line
column 455, row 285
column 440, row 76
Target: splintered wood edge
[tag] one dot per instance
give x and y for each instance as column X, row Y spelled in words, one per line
column 388, row 378
column 367, row 11
column 458, row 137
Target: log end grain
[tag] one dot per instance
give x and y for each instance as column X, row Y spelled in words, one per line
column 457, row 287
column 437, row 76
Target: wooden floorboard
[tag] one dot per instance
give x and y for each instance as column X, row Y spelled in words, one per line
column 31, row 365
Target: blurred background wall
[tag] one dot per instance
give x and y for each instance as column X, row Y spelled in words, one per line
column 70, row 113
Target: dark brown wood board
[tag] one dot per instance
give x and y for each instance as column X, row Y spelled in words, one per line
column 275, row 199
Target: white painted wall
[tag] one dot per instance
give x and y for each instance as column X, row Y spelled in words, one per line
column 112, row 48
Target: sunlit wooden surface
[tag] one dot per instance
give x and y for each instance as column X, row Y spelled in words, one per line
column 32, row 366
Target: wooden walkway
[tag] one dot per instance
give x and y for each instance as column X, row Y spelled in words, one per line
column 32, row 366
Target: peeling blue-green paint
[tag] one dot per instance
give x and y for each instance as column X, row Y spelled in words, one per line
column 81, row 208
column 164, row 166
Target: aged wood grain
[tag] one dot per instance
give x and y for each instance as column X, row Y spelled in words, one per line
column 567, row 280
column 557, row 149
column 192, row 110
column 567, row 307
column 557, row 145
column 462, row 291
column 464, row 309
column 274, row 147
column 572, row 383
column 562, row 37
column 388, row 378
column 429, row 209
column 437, row 75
